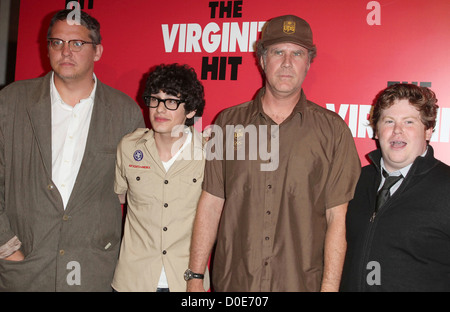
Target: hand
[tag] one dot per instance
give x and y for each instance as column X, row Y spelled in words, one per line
column 122, row 198
column 207, row 134
column 16, row 256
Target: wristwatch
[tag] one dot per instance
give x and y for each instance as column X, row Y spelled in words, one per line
column 188, row 275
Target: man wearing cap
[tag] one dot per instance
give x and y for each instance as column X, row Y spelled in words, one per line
column 281, row 228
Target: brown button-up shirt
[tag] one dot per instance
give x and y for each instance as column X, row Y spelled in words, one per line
column 272, row 230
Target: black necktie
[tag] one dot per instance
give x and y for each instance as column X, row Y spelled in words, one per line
column 384, row 193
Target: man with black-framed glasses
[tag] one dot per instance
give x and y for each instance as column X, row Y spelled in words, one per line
column 60, row 220
column 161, row 173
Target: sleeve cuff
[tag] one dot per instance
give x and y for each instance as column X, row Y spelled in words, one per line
column 10, row 247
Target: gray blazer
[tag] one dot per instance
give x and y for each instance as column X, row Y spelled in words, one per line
column 65, row 250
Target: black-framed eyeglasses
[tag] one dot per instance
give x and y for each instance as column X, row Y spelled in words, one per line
column 170, row 104
column 74, row 45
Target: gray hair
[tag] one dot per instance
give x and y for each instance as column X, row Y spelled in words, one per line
column 86, row 20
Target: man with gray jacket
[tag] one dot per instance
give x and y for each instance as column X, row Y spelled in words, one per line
column 60, row 220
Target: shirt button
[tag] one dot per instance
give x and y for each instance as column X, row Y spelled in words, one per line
column 50, row 186
column 165, row 228
column 61, row 252
column 166, row 205
column 267, row 238
column 269, row 186
column 65, row 217
column 138, row 178
column 194, row 180
column 164, row 252
column 166, row 182
column 268, row 212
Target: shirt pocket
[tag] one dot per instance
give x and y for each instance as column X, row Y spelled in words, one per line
column 191, row 188
column 144, row 186
column 192, row 180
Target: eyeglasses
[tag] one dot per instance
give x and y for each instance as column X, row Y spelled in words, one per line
column 170, row 104
column 74, row 45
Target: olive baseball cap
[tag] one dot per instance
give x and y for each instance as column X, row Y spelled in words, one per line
column 287, row 28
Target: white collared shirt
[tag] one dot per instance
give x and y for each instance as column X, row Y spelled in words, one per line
column 403, row 171
column 70, row 127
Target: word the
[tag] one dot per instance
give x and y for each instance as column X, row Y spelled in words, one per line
column 230, row 8
column 422, row 83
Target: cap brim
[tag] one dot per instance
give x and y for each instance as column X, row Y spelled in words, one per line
column 267, row 43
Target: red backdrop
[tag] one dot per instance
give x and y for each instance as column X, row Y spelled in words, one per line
column 362, row 47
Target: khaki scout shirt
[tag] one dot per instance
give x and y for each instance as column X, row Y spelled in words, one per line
column 160, row 212
column 272, row 230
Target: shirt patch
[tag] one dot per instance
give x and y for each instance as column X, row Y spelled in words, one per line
column 137, row 166
column 138, row 155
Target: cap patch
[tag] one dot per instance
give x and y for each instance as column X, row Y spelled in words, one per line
column 289, row 27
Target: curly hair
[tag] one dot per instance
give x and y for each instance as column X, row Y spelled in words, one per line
column 180, row 81
column 422, row 98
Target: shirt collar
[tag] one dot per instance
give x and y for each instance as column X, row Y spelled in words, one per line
column 258, row 109
column 56, row 98
column 148, row 135
column 403, row 171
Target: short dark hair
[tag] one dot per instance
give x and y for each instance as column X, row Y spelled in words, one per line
column 422, row 98
column 85, row 20
column 261, row 51
column 180, row 81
